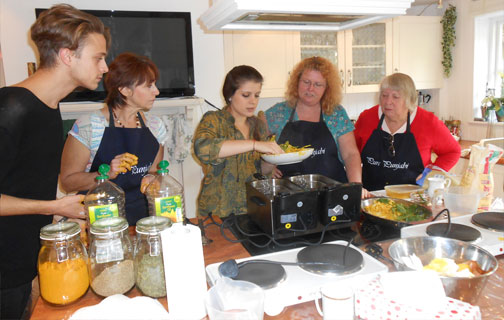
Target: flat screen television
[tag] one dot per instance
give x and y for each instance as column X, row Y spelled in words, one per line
column 164, row 37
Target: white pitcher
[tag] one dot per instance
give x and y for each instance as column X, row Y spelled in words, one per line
column 436, row 183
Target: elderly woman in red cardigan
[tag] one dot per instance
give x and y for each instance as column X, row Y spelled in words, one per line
column 396, row 137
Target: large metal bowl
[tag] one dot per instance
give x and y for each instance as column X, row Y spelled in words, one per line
column 428, row 248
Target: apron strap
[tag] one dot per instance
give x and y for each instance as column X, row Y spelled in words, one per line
column 142, row 124
column 294, row 111
column 408, row 123
column 383, row 117
column 111, row 118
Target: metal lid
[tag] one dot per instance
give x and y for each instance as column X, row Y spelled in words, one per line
column 59, row 231
column 153, row 225
column 109, row 225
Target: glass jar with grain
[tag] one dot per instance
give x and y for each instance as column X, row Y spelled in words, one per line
column 111, row 257
column 62, row 263
column 149, row 267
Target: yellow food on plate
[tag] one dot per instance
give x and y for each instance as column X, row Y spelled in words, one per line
column 288, row 148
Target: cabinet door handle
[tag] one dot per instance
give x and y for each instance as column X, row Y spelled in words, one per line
column 342, row 76
column 349, row 78
column 396, row 70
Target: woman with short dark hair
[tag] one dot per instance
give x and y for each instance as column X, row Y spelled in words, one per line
column 228, row 144
column 120, row 134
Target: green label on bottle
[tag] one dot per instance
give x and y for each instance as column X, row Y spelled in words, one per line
column 104, row 211
column 170, row 207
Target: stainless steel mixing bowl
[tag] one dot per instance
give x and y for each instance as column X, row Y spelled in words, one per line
column 428, row 248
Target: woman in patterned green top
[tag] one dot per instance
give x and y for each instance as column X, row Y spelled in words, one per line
column 228, row 144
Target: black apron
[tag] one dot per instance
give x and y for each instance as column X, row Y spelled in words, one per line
column 140, row 142
column 324, row 160
column 381, row 168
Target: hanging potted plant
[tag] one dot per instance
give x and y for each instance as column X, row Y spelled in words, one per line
column 448, row 41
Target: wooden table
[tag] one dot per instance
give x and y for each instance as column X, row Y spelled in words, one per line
column 491, row 301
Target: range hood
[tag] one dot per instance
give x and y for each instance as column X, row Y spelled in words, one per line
column 332, row 15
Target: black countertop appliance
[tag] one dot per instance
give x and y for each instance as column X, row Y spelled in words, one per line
column 303, row 204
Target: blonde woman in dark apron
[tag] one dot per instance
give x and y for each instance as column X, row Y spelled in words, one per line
column 396, row 137
column 312, row 115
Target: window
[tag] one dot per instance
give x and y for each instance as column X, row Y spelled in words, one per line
column 488, row 57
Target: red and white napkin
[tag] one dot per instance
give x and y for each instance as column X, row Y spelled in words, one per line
column 409, row 295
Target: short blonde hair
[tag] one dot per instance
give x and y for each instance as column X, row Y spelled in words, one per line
column 333, row 91
column 63, row 26
column 404, row 84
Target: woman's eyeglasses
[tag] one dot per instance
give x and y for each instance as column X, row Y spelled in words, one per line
column 390, row 139
column 308, row 83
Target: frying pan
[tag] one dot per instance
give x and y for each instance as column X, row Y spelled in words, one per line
column 422, row 210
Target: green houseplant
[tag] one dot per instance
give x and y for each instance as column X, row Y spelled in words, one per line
column 491, row 103
column 448, row 41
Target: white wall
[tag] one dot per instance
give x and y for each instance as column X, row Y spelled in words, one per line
column 456, row 97
column 17, row 16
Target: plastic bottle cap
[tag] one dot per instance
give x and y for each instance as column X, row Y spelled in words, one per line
column 103, row 170
column 163, row 166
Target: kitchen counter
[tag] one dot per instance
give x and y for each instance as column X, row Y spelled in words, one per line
column 220, row 249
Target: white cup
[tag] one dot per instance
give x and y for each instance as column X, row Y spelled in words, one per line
column 436, row 183
column 337, row 301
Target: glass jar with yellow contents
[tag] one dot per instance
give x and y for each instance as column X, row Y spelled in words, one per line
column 62, row 263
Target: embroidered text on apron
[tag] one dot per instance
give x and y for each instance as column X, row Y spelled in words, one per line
column 380, row 166
column 138, row 141
column 324, row 160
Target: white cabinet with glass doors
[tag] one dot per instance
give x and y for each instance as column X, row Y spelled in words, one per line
column 362, row 55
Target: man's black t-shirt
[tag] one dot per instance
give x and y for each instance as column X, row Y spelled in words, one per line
column 31, row 141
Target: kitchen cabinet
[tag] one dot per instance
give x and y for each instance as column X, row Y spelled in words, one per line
column 362, row 55
column 273, row 54
column 417, row 49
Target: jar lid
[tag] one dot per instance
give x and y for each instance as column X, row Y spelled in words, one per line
column 153, row 225
column 59, row 231
column 109, row 225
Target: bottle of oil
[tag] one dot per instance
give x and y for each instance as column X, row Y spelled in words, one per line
column 166, row 195
column 105, row 199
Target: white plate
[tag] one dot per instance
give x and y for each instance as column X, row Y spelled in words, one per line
column 288, row 158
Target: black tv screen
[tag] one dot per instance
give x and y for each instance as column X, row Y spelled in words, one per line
column 164, row 37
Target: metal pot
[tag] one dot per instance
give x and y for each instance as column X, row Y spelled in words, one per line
column 428, row 248
column 394, row 223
